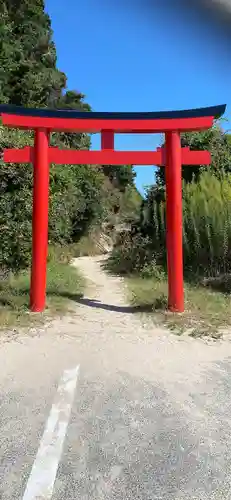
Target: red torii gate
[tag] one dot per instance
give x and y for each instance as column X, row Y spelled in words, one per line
column 172, row 156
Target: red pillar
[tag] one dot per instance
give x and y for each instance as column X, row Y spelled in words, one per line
column 107, row 139
column 174, row 222
column 40, row 221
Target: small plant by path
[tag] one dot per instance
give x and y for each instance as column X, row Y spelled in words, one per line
column 207, row 312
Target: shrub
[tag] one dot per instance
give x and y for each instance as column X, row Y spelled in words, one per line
column 206, row 232
column 207, row 225
column 62, row 254
column 75, row 202
column 153, row 270
column 131, row 255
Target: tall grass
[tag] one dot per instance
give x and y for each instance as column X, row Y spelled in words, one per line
column 206, row 231
column 207, row 225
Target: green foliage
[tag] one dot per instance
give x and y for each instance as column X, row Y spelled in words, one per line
column 63, row 282
column 60, row 253
column 206, row 215
column 75, row 194
column 206, row 231
column 78, row 198
column 207, row 225
column 87, row 246
column 153, row 270
column 214, row 140
column 75, row 202
column 29, row 55
column 15, row 205
column 121, row 176
column 130, row 203
column 130, row 254
column 205, row 311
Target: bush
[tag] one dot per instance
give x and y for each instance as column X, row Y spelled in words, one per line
column 153, row 270
column 75, row 203
column 207, row 225
column 131, row 255
column 206, row 232
column 62, row 254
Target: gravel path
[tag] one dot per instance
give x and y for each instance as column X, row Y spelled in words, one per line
column 151, row 415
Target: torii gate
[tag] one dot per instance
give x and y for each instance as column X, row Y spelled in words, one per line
column 172, row 156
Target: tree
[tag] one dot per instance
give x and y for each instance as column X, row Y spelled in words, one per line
column 121, row 176
column 72, row 100
column 29, row 77
column 214, row 140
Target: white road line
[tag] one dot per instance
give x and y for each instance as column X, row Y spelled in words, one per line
column 43, row 473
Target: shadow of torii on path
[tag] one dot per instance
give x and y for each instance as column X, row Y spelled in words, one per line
column 97, row 304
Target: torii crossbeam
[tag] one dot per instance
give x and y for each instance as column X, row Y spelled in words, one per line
column 171, row 156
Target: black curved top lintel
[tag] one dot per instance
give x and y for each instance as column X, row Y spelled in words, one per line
column 215, row 111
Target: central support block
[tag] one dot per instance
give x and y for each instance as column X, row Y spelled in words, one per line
column 107, row 139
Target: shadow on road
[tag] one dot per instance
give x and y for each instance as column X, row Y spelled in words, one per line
column 96, row 304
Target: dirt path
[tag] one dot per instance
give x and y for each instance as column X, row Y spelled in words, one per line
column 150, row 417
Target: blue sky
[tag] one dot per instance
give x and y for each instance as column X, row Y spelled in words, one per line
column 149, row 55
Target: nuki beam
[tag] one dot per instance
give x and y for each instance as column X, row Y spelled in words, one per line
column 106, row 157
column 171, row 156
